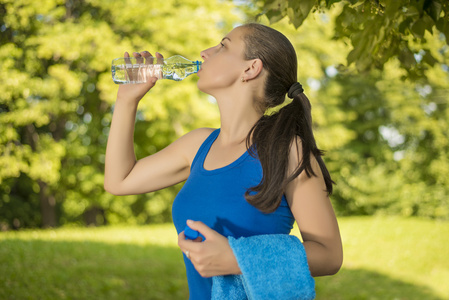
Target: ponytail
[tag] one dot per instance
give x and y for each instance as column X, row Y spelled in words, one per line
column 270, row 139
column 272, row 136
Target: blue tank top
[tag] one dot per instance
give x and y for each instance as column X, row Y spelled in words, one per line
column 217, row 198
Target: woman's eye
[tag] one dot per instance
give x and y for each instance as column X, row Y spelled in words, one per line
column 222, row 45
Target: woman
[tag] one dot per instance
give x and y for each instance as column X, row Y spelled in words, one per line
column 255, row 175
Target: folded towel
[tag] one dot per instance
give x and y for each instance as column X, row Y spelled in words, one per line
column 273, row 267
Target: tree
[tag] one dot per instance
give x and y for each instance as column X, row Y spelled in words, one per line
column 57, row 97
column 386, row 137
column 378, row 30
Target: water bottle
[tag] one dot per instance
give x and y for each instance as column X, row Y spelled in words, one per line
column 139, row 70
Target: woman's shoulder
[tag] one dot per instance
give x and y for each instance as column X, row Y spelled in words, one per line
column 197, row 136
column 191, row 142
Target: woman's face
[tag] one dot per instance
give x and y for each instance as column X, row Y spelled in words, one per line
column 223, row 64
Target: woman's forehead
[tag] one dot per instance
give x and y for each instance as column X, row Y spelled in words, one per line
column 236, row 34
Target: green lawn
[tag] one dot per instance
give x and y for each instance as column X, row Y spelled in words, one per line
column 385, row 258
column 391, row 258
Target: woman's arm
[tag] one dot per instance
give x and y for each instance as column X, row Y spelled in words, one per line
column 316, row 219
column 124, row 175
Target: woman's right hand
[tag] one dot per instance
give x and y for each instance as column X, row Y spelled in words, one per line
column 135, row 92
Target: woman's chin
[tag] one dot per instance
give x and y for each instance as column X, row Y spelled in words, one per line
column 201, row 86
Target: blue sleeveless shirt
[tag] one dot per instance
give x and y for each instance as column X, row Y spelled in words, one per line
column 217, row 198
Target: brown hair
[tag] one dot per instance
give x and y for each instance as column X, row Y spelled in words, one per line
column 272, row 135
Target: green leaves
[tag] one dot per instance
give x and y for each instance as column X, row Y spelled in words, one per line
column 297, row 11
column 384, row 132
column 57, row 97
column 379, row 31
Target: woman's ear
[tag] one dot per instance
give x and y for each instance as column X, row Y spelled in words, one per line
column 253, row 69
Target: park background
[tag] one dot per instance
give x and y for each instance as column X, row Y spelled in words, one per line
column 376, row 72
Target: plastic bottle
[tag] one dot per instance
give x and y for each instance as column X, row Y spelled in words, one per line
column 139, row 70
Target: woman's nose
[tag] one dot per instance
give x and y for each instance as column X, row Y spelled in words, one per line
column 206, row 53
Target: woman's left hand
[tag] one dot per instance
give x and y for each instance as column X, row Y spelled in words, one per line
column 212, row 257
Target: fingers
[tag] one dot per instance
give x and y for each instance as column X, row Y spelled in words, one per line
column 137, row 54
column 145, row 58
column 202, row 228
column 148, row 57
column 184, row 242
column 198, row 239
column 139, row 58
column 185, row 245
column 127, row 60
column 144, row 54
column 182, row 236
column 160, row 58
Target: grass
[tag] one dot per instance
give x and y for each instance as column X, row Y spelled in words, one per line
column 92, row 263
column 391, row 258
column 385, row 258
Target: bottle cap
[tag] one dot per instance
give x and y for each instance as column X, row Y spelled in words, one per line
column 190, row 233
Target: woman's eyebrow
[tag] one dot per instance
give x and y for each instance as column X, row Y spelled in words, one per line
column 226, row 38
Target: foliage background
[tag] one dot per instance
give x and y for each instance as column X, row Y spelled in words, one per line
column 385, row 128
column 57, row 100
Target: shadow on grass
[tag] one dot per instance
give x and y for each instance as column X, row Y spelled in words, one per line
column 40, row 269
column 360, row 284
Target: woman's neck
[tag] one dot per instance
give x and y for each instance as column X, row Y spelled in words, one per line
column 237, row 119
column 238, row 111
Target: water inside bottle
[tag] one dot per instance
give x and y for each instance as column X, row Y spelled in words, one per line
column 179, row 71
column 139, row 70
column 126, row 72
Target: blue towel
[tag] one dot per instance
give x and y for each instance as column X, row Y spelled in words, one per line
column 273, row 267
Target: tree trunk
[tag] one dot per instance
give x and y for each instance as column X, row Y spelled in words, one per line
column 94, row 216
column 47, row 202
column 48, row 206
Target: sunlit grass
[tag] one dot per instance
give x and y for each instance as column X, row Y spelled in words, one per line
column 391, row 258
column 385, row 258
column 92, row 263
